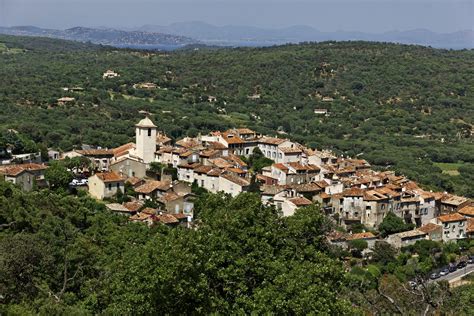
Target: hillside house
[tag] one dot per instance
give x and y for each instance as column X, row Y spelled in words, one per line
column 26, row 176
column 106, row 185
column 109, row 74
column 454, row 226
column 129, row 167
column 232, row 184
column 407, row 238
column 433, row 232
column 152, row 190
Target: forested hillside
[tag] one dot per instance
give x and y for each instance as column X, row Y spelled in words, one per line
column 67, row 255
column 407, row 108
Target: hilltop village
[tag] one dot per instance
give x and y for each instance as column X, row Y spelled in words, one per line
column 160, row 179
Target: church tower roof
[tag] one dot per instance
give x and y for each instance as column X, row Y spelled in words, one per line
column 146, row 122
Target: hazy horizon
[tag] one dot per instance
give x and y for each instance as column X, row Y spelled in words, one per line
column 441, row 16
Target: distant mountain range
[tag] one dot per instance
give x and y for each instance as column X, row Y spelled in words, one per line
column 105, row 36
column 254, row 36
column 198, row 33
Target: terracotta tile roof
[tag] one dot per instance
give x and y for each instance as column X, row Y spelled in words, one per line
column 186, row 165
column 429, row 228
column 115, row 207
column 455, row 217
column 169, row 197
column 15, row 170
column 151, row 186
column 124, row 149
column 454, row 200
column 322, row 183
column 236, row 170
column 140, row 217
column 271, row 140
column 366, row 235
column 290, row 150
column 324, row 195
column 467, row 210
column 387, row 191
column 180, row 216
column 185, row 154
column 300, row 201
column 299, row 167
column 217, row 145
column 162, row 139
column 306, row 187
column 203, row 169
column 133, row 181
column 209, row 153
column 411, row 233
column 166, row 219
column 245, row 131
column 110, row 177
column 132, row 158
column 470, row 225
column 232, row 138
column 134, row 206
column 337, row 236
column 236, row 159
column 373, row 195
column 149, row 211
column 166, row 149
column 235, row 179
column 221, row 163
column 272, row 189
column 354, row 192
column 189, row 143
column 215, row 172
column 281, row 166
column 97, row 152
column 439, row 195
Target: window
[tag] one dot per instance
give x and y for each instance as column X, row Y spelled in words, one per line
column 110, row 186
column 149, row 132
column 118, row 185
column 461, row 224
column 274, row 154
column 280, row 155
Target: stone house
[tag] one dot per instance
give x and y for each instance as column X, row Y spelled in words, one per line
column 454, row 226
column 106, row 185
column 152, row 190
column 232, row 184
column 129, row 167
column 434, row 232
column 26, row 176
column 407, row 238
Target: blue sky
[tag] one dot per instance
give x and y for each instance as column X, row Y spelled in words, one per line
column 350, row 15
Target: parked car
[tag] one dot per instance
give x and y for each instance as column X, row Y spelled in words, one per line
column 470, row 260
column 444, row 272
column 461, row 264
column 434, row 276
column 452, row 268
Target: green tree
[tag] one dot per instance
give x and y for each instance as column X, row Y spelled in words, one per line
column 392, row 224
column 58, row 176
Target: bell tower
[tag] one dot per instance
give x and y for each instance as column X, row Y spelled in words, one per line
column 145, row 134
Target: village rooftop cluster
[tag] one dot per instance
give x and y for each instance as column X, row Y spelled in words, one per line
column 348, row 190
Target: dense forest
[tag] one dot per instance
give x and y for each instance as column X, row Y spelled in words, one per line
column 406, row 108
column 67, row 255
